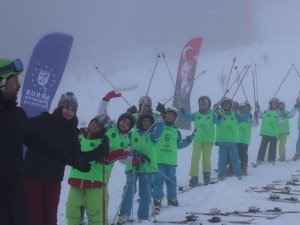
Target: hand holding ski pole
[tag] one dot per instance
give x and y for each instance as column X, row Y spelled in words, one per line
column 161, row 108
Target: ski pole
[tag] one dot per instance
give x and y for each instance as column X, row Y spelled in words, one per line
column 203, row 72
column 230, row 73
column 236, row 80
column 103, row 194
column 256, row 83
column 158, row 57
column 253, row 84
column 133, row 180
column 150, row 192
column 241, row 81
column 180, row 188
column 111, row 84
column 296, row 70
column 164, row 57
column 283, row 80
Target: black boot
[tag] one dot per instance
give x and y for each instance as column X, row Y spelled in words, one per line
column 206, row 178
column 193, row 181
column 245, row 169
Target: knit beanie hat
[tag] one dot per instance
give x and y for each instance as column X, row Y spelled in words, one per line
column 68, row 99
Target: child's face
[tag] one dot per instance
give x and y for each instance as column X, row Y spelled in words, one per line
column 146, row 123
column 170, row 117
column 274, row 105
column 226, row 105
column 203, row 104
column 68, row 112
column 242, row 108
column 124, row 124
column 145, row 108
column 95, row 126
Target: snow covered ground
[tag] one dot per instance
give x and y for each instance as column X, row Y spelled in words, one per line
column 227, row 195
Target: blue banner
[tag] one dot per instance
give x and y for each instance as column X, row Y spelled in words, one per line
column 44, row 73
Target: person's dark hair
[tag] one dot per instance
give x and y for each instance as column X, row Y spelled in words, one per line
column 141, row 117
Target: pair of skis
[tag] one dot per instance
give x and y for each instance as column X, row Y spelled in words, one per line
column 276, row 198
column 193, row 220
column 274, row 189
column 186, row 189
column 252, row 212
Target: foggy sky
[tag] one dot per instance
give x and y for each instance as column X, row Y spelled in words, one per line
column 125, row 31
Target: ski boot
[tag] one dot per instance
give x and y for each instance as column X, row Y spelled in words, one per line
column 245, row 169
column 206, row 178
column 229, row 170
column 296, row 157
column 281, row 158
column 193, row 181
column 122, row 220
column 173, row 202
column 157, row 205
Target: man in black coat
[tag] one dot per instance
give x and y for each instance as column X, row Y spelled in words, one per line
column 16, row 130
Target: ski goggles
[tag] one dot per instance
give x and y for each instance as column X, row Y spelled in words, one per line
column 15, row 66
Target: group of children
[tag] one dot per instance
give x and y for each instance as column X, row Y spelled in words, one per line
column 147, row 143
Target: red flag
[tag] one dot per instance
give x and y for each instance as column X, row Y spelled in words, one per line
column 185, row 78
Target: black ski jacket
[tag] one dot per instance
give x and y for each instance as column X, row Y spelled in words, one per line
column 15, row 130
column 61, row 131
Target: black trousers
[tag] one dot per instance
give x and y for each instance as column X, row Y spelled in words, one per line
column 265, row 141
column 243, row 154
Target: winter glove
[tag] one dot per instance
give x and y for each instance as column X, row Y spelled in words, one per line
column 161, row 108
column 132, row 109
column 257, row 106
column 98, row 153
column 136, row 161
column 191, row 137
column 219, row 112
column 80, row 163
column 248, row 105
column 115, row 155
column 110, row 95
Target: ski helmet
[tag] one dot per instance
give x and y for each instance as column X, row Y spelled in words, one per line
column 205, row 98
column 225, row 99
column 104, row 120
column 235, row 106
column 274, row 100
column 8, row 69
column 145, row 100
column 129, row 116
column 174, row 111
column 141, row 117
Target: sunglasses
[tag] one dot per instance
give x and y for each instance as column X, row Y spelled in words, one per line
column 15, row 66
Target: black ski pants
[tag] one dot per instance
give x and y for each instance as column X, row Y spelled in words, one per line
column 265, row 141
column 243, row 154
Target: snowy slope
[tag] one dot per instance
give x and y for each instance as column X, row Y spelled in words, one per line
column 228, row 195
